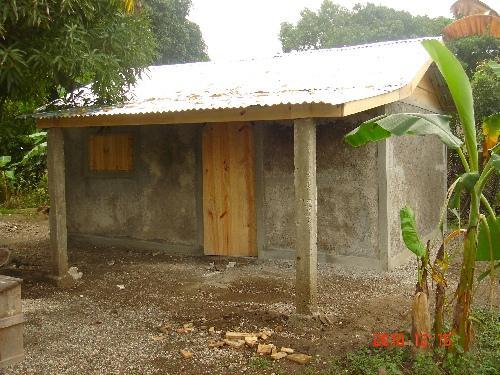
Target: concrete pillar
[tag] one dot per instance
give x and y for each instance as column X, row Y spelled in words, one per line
column 199, row 190
column 57, row 214
column 384, row 234
column 306, row 208
column 259, row 187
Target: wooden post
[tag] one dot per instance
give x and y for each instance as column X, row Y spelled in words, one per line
column 306, row 208
column 57, row 213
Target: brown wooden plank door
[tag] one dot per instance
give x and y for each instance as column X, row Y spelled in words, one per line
column 228, row 189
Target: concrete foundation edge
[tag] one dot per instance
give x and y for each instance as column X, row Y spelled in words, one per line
column 369, row 263
column 134, row 244
column 267, row 253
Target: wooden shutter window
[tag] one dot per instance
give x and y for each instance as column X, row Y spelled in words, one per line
column 111, row 153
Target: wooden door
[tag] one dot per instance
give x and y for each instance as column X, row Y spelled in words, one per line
column 228, row 189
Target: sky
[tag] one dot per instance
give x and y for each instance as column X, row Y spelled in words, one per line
column 239, row 29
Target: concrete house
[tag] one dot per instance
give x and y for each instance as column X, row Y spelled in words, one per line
column 247, row 158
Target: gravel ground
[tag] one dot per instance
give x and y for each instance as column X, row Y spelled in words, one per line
column 108, row 323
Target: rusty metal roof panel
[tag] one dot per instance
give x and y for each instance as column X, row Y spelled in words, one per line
column 331, row 76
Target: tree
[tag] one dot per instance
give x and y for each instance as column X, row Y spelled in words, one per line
column 51, row 47
column 179, row 40
column 335, row 26
column 473, row 50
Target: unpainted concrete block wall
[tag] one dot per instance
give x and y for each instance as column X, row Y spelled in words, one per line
column 416, row 178
column 156, row 202
column 347, row 190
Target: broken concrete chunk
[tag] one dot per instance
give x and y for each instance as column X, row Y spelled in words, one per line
column 73, row 271
column 265, row 348
column 299, row 358
column 216, row 344
column 265, row 333
column 287, row 350
column 251, row 340
column 231, row 265
column 186, row 353
column 238, row 335
column 278, row 355
column 235, row 344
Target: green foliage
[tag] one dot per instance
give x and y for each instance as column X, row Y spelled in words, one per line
column 410, row 233
column 486, row 91
column 369, row 361
column 461, row 92
column 469, row 180
column 483, row 244
column 179, row 39
column 29, row 193
column 52, row 47
column 473, row 50
column 403, row 124
column 424, row 364
column 6, row 177
column 259, row 363
column 334, row 26
column 4, row 160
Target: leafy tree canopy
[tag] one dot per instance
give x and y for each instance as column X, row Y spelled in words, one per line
column 49, row 47
column 473, row 50
column 179, row 39
column 334, row 26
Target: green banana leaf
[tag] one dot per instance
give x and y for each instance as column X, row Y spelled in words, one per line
column 409, row 232
column 495, row 161
column 403, row 124
column 4, row 160
column 461, row 92
column 483, row 246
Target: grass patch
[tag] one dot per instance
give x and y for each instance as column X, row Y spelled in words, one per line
column 261, row 363
column 17, row 211
column 369, row 361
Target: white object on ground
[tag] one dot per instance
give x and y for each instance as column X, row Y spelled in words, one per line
column 73, row 271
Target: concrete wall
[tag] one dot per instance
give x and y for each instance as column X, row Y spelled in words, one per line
column 416, row 178
column 156, row 202
column 347, row 191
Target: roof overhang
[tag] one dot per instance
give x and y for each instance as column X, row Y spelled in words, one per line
column 307, row 103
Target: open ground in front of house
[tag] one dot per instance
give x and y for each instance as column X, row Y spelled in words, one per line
column 109, row 322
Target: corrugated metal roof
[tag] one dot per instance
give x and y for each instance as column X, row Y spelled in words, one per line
column 330, row 76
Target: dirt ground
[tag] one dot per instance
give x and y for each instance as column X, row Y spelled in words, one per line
column 108, row 323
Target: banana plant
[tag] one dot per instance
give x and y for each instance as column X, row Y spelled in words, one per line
column 472, row 181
